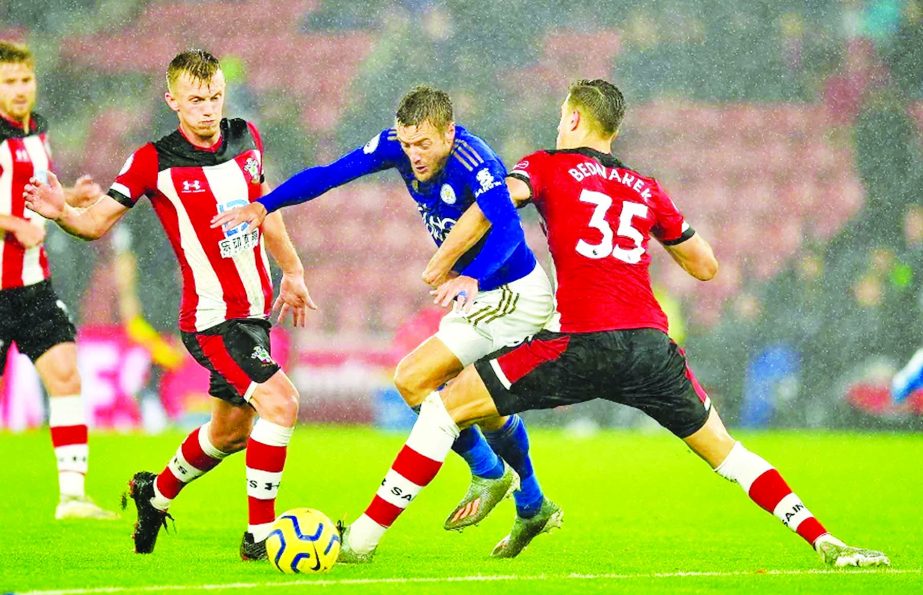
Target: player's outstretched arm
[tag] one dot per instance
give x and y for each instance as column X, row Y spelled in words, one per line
column 49, row 201
column 696, row 257
column 293, row 292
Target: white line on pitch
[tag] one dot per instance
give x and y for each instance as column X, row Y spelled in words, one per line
column 460, row 579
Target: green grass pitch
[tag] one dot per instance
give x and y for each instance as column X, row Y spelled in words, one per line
column 642, row 514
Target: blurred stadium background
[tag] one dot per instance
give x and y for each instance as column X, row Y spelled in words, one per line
column 788, row 132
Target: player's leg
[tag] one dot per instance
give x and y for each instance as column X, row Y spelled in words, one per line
column 276, row 402
column 225, row 433
column 498, row 319
column 46, row 334
column 766, row 487
column 416, row 464
column 419, row 374
column 523, row 309
column 201, row 451
column 464, row 401
column 422, row 372
column 661, row 384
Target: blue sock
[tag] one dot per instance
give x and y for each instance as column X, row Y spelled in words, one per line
column 512, row 443
column 472, row 447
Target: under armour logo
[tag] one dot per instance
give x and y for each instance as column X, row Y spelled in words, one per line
column 192, row 186
column 22, row 155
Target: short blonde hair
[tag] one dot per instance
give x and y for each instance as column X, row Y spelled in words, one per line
column 200, row 65
column 12, row 52
column 601, row 101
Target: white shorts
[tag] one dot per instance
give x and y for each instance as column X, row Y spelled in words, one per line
column 499, row 318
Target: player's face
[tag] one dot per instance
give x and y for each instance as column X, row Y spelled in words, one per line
column 427, row 147
column 199, row 106
column 17, row 90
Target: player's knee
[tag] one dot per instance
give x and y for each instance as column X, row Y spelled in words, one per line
column 64, row 380
column 281, row 407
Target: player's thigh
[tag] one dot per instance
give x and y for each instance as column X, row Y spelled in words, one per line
column 463, row 338
column 425, row 369
column 652, row 374
column 545, row 371
column 237, row 353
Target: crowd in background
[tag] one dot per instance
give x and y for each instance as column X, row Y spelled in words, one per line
column 784, row 350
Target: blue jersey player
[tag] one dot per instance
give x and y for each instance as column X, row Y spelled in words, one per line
column 500, row 293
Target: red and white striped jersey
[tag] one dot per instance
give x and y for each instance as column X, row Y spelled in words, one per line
column 225, row 271
column 23, row 154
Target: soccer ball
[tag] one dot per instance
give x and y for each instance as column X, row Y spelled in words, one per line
column 303, row 540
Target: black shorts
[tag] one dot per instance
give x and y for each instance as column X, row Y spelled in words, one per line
column 35, row 318
column 641, row 368
column 237, row 353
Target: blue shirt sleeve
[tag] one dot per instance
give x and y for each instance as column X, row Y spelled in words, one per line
column 489, row 188
column 380, row 153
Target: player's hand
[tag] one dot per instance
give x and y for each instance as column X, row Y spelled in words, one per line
column 46, row 199
column 85, row 192
column 462, row 290
column 294, row 298
column 29, row 235
column 252, row 214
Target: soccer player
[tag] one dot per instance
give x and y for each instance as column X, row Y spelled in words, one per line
column 502, row 294
column 31, row 314
column 608, row 338
column 208, row 165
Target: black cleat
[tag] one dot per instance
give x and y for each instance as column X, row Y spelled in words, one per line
column 252, row 550
column 150, row 519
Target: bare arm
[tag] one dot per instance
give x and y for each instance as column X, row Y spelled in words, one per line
column 293, row 293
column 468, row 231
column 696, row 257
column 48, row 200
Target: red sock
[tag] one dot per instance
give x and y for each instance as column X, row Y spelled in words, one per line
column 195, row 457
column 773, row 495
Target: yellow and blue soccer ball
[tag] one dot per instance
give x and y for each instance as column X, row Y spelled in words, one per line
column 303, row 540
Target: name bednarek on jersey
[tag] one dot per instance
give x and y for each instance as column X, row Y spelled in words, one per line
column 590, row 168
column 472, row 173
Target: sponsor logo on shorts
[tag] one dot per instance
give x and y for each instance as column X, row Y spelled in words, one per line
column 261, row 355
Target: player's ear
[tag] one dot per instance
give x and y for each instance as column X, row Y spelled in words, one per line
column 171, row 101
column 574, row 119
column 450, row 133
